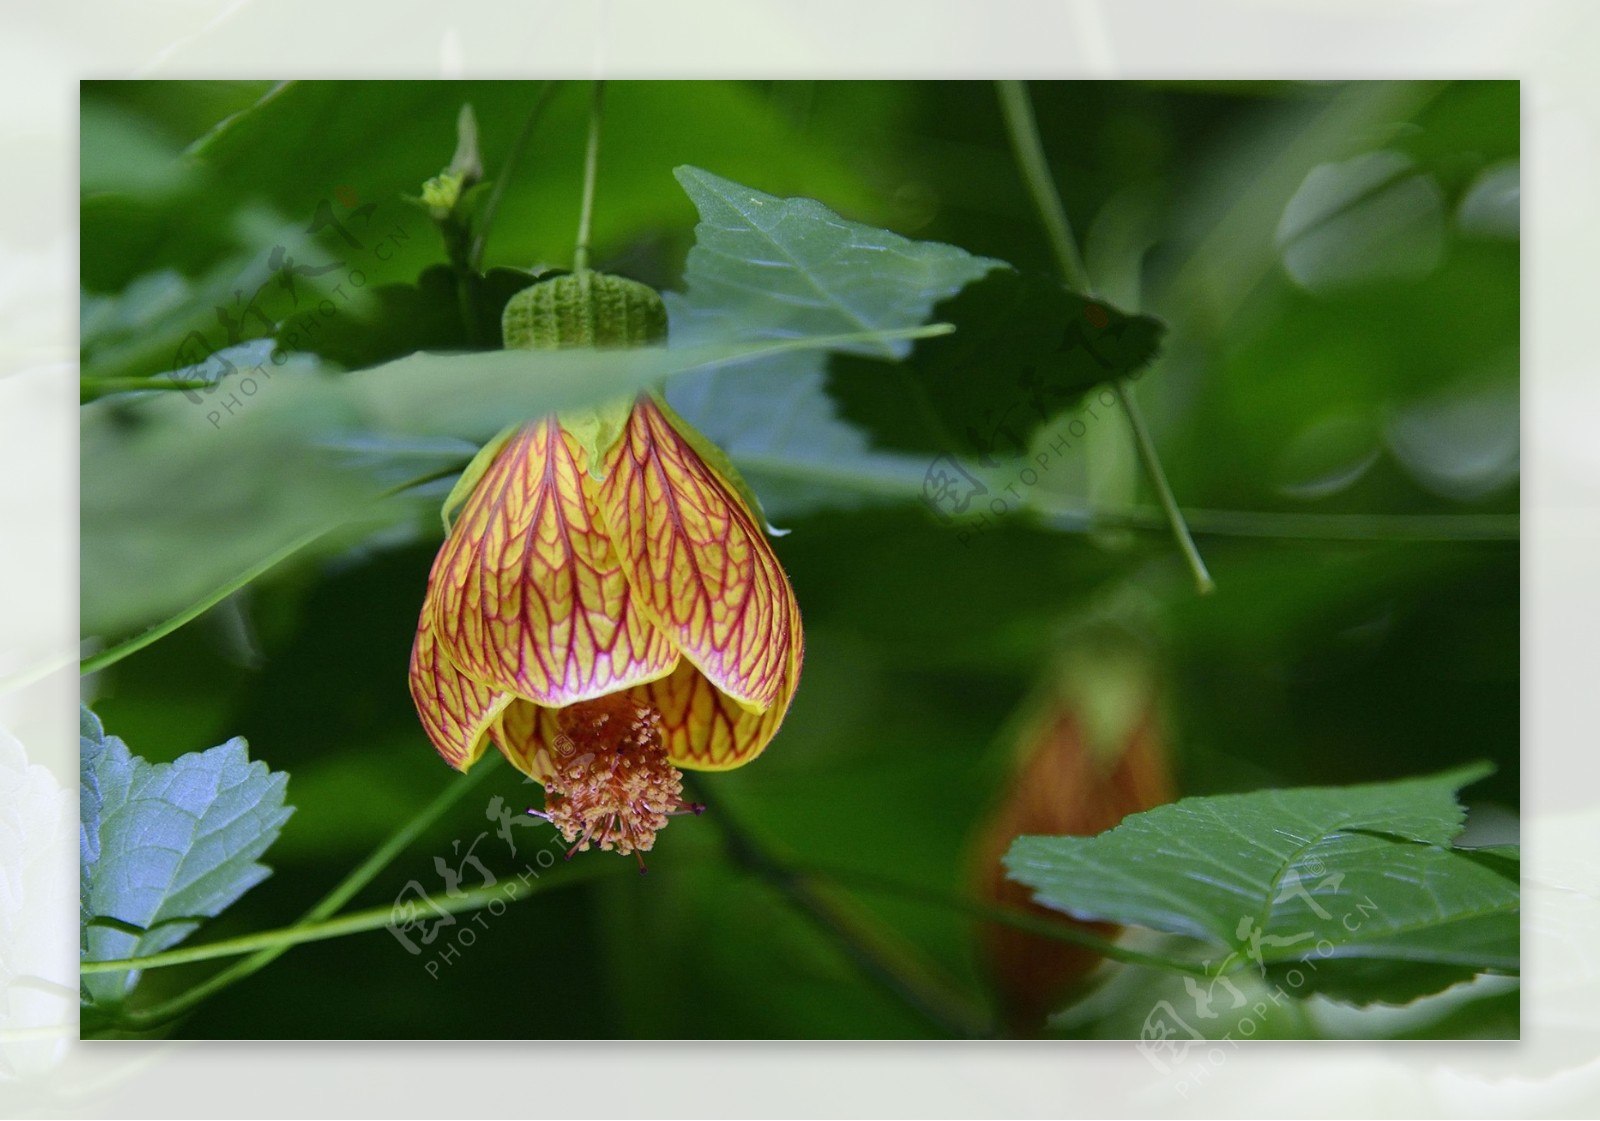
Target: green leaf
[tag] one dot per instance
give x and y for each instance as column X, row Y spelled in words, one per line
column 165, row 846
column 1355, row 892
column 1024, row 351
column 769, row 268
column 811, row 435
column 776, row 421
column 764, row 268
column 182, row 493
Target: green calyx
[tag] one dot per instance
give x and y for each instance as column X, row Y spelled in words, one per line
column 587, row 309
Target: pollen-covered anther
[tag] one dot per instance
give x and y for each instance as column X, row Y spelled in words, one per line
column 612, row 786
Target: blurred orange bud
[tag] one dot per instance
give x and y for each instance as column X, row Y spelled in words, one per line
column 1090, row 754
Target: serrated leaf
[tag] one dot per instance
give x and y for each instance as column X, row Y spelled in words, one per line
column 91, row 743
column 769, row 268
column 165, row 846
column 1355, row 888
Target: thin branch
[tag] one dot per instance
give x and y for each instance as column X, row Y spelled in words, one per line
column 1158, row 476
column 591, row 168
column 1289, row 525
column 1029, row 148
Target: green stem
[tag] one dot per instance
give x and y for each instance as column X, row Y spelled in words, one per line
column 92, row 389
column 347, row 888
column 357, row 922
column 591, row 168
column 491, row 205
column 1158, row 475
column 1029, row 148
column 114, row 654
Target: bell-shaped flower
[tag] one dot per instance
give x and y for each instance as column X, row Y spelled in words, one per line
column 605, row 611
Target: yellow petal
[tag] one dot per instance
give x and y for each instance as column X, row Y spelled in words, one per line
column 526, row 735
column 698, row 562
column 703, row 729
column 529, row 595
column 455, row 710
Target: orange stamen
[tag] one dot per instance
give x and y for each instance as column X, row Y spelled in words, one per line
column 612, row 786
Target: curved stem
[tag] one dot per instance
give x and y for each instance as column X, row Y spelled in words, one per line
column 121, row 650
column 1055, row 929
column 92, row 389
column 591, row 167
column 1029, row 150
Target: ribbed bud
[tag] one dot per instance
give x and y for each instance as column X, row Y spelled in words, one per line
column 585, row 309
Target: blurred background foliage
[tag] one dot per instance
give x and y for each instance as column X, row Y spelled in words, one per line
column 1336, row 403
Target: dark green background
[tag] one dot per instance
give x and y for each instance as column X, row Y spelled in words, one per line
column 1321, row 659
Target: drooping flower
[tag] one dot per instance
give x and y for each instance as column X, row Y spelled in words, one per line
column 605, row 608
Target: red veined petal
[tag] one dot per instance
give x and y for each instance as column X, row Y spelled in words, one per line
column 456, row 711
column 526, row 735
column 529, row 596
column 704, row 729
column 698, row 562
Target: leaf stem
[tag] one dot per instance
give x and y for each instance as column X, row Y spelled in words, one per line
column 491, row 205
column 343, row 892
column 1023, row 129
column 114, row 654
column 1292, row 526
column 591, row 167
